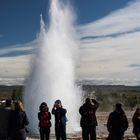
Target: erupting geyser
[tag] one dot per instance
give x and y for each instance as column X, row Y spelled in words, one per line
column 53, row 70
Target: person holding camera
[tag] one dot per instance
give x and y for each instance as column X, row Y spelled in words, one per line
column 60, row 120
column 88, row 120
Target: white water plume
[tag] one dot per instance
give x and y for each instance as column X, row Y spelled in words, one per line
column 53, row 71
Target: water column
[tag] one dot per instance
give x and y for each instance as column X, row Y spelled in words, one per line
column 52, row 74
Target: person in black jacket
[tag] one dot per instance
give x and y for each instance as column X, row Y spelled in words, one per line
column 88, row 120
column 44, row 117
column 60, row 120
column 117, row 123
column 5, row 115
column 18, row 122
column 136, row 123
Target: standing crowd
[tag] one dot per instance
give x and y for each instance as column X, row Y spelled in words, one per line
column 13, row 122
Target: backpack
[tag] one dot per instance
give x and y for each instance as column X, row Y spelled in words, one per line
column 44, row 120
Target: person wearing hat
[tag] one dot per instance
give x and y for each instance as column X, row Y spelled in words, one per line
column 60, row 120
column 117, row 123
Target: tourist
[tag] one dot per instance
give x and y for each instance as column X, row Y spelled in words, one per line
column 88, row 119
column 44, row 117
column 117, row 123
column 18, row 122
column 60, row 120
column 5, row 114
column 136, row 123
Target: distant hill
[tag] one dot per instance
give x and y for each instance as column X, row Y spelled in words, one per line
column 8, row 91
column 110, row 88
column 107, row 95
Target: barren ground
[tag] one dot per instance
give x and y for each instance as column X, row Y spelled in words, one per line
column 101, row 129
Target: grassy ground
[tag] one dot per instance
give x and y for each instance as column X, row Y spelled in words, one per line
column 107, row 96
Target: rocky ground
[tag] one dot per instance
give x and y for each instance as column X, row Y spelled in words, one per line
column 77, row 137
column 101, row 129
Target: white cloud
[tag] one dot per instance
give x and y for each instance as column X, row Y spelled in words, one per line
column 108, row 56
column 16, row 66
column 112, row 46
column 11, row 67
column 120, row 21
column 18, row 48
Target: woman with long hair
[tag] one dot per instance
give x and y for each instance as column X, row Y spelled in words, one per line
column 18, row 122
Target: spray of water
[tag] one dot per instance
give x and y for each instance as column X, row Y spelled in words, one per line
column 53, row 70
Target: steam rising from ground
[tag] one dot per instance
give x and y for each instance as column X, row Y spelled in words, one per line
column 53, row 71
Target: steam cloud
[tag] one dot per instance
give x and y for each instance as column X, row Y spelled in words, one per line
column 52, row 74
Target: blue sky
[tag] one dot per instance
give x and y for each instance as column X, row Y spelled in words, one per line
column 109, row 31
column 20, row 19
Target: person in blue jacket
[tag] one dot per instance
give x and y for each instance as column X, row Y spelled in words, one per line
column 60, row 120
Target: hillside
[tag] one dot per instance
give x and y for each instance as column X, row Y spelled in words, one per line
column 107, row 95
